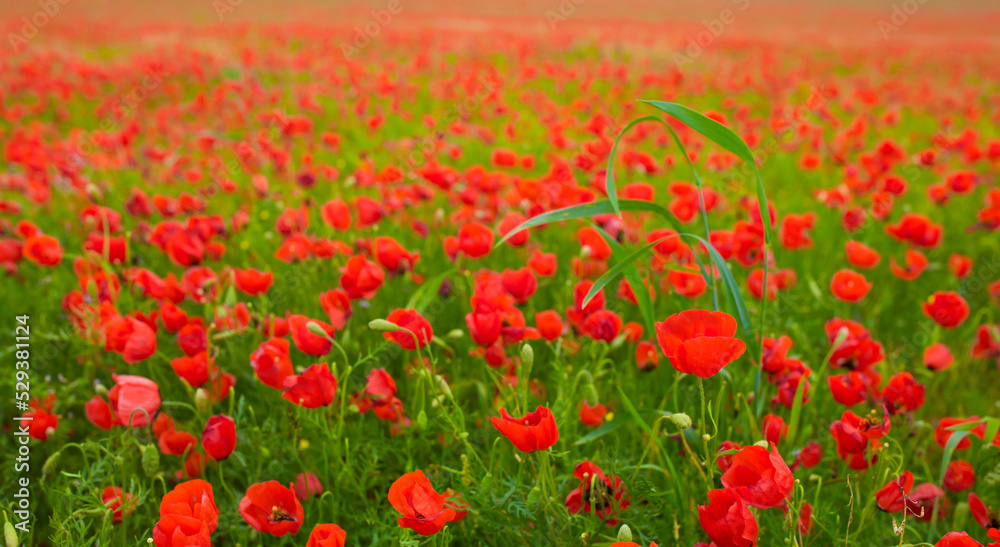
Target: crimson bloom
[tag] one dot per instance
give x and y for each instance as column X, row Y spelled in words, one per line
column 120, row 503
column 412, row 321
column 727, row 520
column 598, row 493
column 891, row 498
column 760, row 477
column 306, row 340
column 272, row 508
column 959, row 476
column 946, row 308
column 849, row 286
column 699, row 342
column 272, row 363
column 957, row 539
column 219, row 437
column 132, row 394
column 361, row 278
column 535, row 431
column 424, row 510
column 327, row 535
column 315, row 387
column 252, row 282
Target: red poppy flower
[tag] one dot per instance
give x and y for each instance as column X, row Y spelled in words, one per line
column 119, row 502
column 337, row 306
column 336, row 214
column 509, row 222
column 43, row 250
column 544, row 264
column 760, row 477
column 475, row 240
column 983, row 515
column 891, row 498
column 960, row 475
column 272, row 508
column 603, row 325
column 592, row 243
column 646, row 356
column 176, row 443
column 917, row 230
column 393, row 256
column 849, row 286
column 592, row 416
column 424, row 510
column 946, row 308
column 219, row 437
column 923, row 499
column 915, row 264
column 535, row 431
column 774, row 428
column 549, row 324
column 902, row 392
column 327, row 535
column 856, row 352
column 415, row 323
column 811, row 455
column 938, row 357
column 957, row 539
column 252, row 282
column 176, row 530
column 195, row 500
column 727, row 520
column 192, row 338
column 699, row 342
column 271, row 362
column 597, row 493
column 960, row 266
column 134, row 339
column 306, row 340
column 943, row 431
column 315, row 387
column 361, row 278
column 306, row 486
column 131, row 394
column 99, row 413
column 200, row 284
column 520, row 283
column 861, row 255
column 193, row 370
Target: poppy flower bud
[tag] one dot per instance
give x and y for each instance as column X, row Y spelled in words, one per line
column 422, row 419
column 201, row 401
column 625, row 533
column 762, row 444
column 316, row 329
column 150, row 460
column 9, row 535
column 527, row 355
column 100, row 389
column 219, row 437
column 534, row 497
column 381, row 325
column 681, row 420
column 454, row 334
column 487, row 483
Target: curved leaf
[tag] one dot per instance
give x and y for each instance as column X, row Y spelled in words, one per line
column 609, row 173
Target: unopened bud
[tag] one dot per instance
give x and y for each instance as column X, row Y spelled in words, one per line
column 422, row 419
column 625, row 533
column 9, row 535
column 382, row 325
column 527, row 355
column 318, row 330
column 681, row 420
column 534, row 496
column 201, row 401
column 150, row 460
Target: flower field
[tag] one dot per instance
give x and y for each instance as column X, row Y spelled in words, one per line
column 716, row 274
